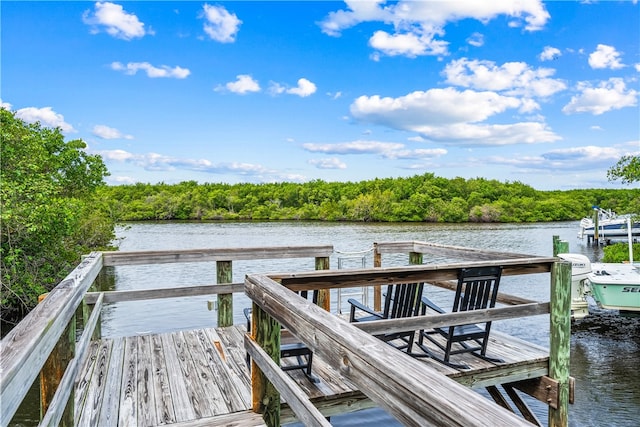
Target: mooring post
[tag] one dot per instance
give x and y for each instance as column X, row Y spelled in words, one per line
column 377, row 290
column 265, row 397
column 224, row 275
column 560, row 246
column 324, row 296
column 560, row 340
column 53, row 370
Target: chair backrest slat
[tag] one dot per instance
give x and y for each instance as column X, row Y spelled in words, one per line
column 477, row 288
column 402, row 300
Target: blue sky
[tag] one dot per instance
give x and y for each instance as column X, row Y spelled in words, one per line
column 545, row 93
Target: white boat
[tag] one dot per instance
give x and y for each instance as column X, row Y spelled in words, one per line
column 613, row 286
column 607, row 225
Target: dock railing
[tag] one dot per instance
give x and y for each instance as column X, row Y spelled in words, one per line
column 44, row 345
column 414, row 394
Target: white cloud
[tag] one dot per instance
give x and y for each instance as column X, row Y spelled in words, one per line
column 304, row 88
column 153, row 72
column 221, row 25
column 155, row 162
column 5, row 105
column 514, row 78
column 476, row 40
column 329, row 163
column 609, row 95
column 388, row 150
column 46, row 116
column 244, row 84
column 408, row 44
column 605, row 57
column 160, row 162
column 119, row 180
column 550, row 53
column 569, row 159
column 417, row 24
column 106, row 132
column 449, row 115
column 115, row 21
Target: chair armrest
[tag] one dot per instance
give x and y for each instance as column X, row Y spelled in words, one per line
column 426, row 302
column 358, row 305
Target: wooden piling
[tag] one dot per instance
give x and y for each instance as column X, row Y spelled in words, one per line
column 560, row 246
column 560, row 340
column 265, row 397
column 377, row 290
column 324, row 296
column 224, row 275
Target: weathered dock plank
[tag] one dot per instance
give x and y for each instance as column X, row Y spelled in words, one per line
column 147, row 415
column 97, row 385
column 82, row 383
column 180, row 393
column 164, row 400
column 127, row 415
column 196, row 378
column 111, row 401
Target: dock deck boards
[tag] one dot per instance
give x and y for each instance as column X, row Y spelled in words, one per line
column 199, row 377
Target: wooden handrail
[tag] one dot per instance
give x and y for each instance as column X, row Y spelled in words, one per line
column 57, row 405
column 405, row 390
column 159, row 293
column 25, row 349
column 414, row 273
column 215, row 254
column 297, row 399
column 453, row 319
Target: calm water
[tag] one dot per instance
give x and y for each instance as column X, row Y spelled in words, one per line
column 605, row 348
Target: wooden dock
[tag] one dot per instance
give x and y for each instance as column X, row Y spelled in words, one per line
column 200, row 377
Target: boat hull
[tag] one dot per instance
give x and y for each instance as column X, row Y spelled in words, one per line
column 616, row 286
column 613, row 230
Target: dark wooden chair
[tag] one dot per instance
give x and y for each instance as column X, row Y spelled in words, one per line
column 401, row 300
column 291, row 349
column 477, row 289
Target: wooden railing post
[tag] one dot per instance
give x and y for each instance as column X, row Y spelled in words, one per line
column 53, row 370
column 224, row 275
column 377, row 290
column 560, row 340
column 560, row 246
column 265, row 397
column 324, row 296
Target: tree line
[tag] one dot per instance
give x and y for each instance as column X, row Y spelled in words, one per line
column 420, row 198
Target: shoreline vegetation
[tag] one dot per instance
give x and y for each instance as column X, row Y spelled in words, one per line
column 420, row 198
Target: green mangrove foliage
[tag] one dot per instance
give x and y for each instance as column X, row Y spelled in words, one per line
column 619, row 252
column 420, row 198
column 47, row 211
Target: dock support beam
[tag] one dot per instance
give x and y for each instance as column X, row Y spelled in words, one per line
column 559, row 352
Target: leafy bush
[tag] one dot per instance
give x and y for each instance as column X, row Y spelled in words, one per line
column 619, row 252
column 49, row 213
